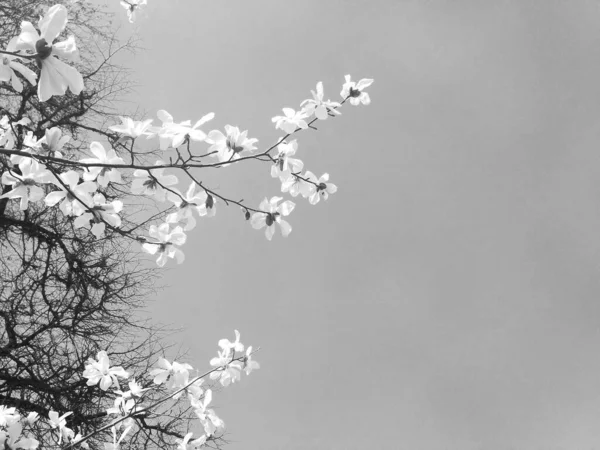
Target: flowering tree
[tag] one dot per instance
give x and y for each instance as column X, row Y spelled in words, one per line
column 76, row 188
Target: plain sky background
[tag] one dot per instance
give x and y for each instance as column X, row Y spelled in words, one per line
column 447, row 296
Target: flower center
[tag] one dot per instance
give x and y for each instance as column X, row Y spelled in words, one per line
column 354, row 92
column 43, row 49
column 150, row 184
column 231, row 146
column 5, row 61
column 321, row 187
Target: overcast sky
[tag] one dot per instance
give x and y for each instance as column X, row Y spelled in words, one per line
column 447, row 296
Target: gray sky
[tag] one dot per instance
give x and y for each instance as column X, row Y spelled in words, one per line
column 447, row 296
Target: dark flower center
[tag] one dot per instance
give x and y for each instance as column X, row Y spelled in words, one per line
column 354, row 92
column 43, row 49
column 150, row 183
column 231, row 146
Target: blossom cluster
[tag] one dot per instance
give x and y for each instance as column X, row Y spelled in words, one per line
column 16, row 430
column 39, row 171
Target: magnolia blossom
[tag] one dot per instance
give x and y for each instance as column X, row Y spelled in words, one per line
column 151, row 182
column 295, row 184
column 273, row 214
column 319, row 107
column 100, row 213
column 114, row 445
column 291, row 121
column 203, row 203
column 210, row 421
column 175, row 375
column 227, row 371
column 72, row 196
column 132, row 6
column 8, row 137
column 100, row 372
column 185, row 444
column 249, row 363
column 103, row 175
column 165, row 247
column 52, row 142
column 124, row 404
column 354, row 91
column 173, row 134
column 131, row 128
column 284, row 164
column 56, row 76
column 11, row 438
column 322, row 187
column 8, row 415
column 195, row 390
column 25, row 186
column 9, row 64
column 32, row 418
column 60, row 423
column 229, row 146
column 236, row 346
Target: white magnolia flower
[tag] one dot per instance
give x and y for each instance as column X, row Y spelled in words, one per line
column 131, row 128
column 355, row 91
column 195, row 390
column 56, row 76
column 284, row 164
column 249, row 363
column 132, row 6
column 291, row 121
column 100, row 213
column 322, row 187
column 103, row 175
column 173, row 134
column 152, row 182
column 175, row 375
column 227, row 371
column 32, row 418
column 203, row 203
column 100, row 372
column 229, row 146
column 71, row 202
column 8, row 415
column 25, row 185
column 60, row 423
column 8, row 138
column 273, row 214
column 319, row 107
column 236, row 346
column 9, row 64
column 11, row 438
column 51, row 143
column 295, row 185
column 115, row 444
column 167, row 240
column 210, row 421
